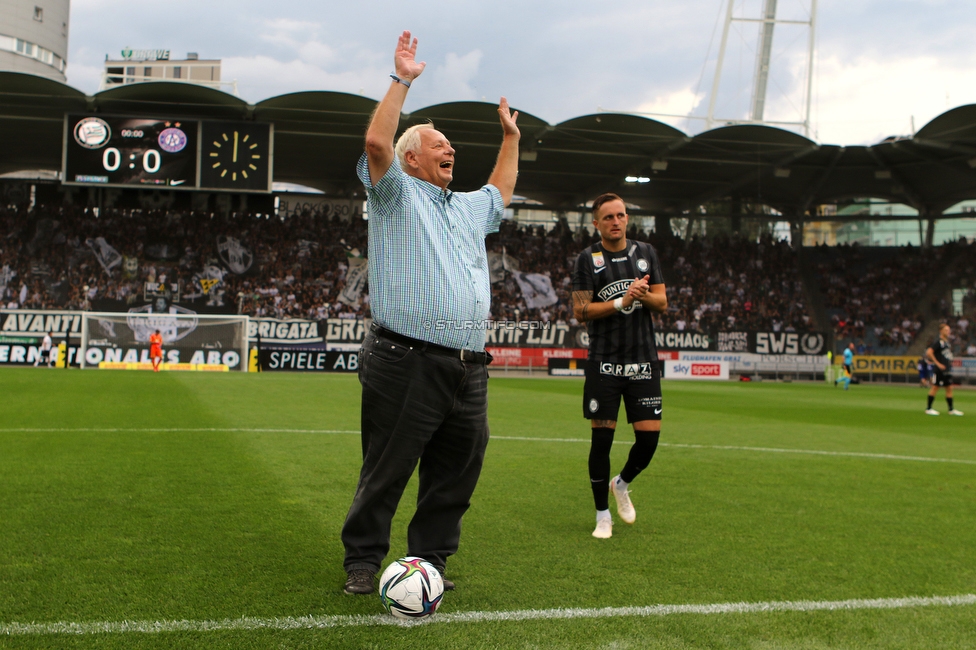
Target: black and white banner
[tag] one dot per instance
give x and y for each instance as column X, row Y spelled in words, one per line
column 106, row 255
column 356, row 278
column 778, row 343
column 289, row 332
column 35, row 323
column 235, row 256
column 683, row 340
column 308, row 360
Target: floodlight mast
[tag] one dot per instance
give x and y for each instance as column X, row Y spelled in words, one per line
column 768, row 23
column 710, row 118
column 762, row 60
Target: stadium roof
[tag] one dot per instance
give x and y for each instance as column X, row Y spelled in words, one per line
column 319, row 136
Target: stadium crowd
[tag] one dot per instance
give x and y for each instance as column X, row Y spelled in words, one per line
column 297, row 268
column 719, row 284
column 874, row 296
column 294, row 267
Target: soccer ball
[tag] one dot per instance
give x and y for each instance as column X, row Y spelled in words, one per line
column 411, row 587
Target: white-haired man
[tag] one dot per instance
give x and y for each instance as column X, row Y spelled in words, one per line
column 423, row 362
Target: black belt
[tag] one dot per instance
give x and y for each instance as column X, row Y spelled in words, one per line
column 468, row 356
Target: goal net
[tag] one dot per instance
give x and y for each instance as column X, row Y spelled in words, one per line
column 204, row 342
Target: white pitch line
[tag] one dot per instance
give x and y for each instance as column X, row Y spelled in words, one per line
column 852, row 454
column 775, row 450
column 171, row 430
column 322, row 622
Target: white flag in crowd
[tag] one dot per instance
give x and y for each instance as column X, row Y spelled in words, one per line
column 107, row 256
column 6, row 275
column 210, row 282
column 356, row 278
column 498, row 263
column 234, row 255
column 536, row 290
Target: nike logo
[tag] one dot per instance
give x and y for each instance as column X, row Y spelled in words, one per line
column 599, row 270
column 658, row 411
column 176, row 182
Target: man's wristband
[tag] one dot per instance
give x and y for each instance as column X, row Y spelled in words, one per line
column 618, row 304
column 399, row 80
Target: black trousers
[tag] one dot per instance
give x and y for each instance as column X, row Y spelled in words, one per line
column 418, row 407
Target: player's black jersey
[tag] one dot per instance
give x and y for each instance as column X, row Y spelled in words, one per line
column 942, row 352
column 627, row 336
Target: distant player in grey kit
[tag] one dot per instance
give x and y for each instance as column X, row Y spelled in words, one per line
column 616, row 285
column 939, row 355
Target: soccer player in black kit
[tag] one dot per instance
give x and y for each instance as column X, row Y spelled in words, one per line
column 939, row 354
column 616, row 285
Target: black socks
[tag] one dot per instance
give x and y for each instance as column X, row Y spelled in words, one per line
column 640, row 454
column 601, row 442
column 599, row 463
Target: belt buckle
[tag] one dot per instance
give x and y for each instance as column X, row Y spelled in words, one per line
column 462, row 351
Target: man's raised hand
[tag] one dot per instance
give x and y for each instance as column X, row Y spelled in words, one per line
column 507, row 118
column 404, row 61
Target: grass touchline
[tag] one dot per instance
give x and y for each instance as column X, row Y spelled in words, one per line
column 319, row 622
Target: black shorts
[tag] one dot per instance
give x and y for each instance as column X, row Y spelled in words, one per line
column 638, row 384
column 942, row 377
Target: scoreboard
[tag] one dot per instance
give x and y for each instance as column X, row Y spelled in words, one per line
column 160, row 153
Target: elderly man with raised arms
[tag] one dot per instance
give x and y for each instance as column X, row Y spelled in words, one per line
column 423, row 363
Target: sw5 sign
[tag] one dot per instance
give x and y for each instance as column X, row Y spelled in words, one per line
column 696, row 370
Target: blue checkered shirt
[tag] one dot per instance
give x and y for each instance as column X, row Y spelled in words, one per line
column 428, row 268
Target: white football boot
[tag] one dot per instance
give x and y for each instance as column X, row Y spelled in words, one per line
column 624, row 507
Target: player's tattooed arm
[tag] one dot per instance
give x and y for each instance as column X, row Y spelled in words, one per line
column 581, row 304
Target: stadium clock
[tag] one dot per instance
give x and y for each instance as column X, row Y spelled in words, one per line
column 236, row 156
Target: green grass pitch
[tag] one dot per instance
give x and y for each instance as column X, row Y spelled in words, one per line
column 134, row 496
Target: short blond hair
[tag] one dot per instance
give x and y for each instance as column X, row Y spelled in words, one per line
column 410, row 141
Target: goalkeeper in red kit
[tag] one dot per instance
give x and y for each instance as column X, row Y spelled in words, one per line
column 156, row 350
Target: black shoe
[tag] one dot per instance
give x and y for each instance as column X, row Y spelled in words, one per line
column 360, row 582
column 448, row 584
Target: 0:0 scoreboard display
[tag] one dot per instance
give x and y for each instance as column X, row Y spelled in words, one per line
column 113, row 151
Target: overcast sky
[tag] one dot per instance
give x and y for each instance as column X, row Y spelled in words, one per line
column 880, row 64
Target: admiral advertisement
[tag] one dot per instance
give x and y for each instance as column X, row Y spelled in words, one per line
column 21, row 333
column 867, row 364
